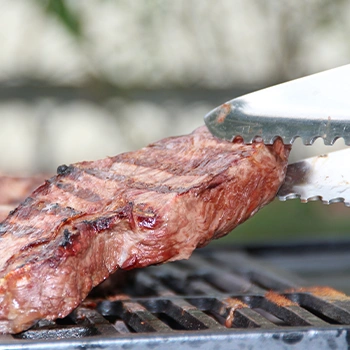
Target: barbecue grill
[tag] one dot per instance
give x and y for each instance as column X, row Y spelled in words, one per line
column 278, row 296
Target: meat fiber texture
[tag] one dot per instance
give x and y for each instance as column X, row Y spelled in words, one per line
column 14, row 189
column 136, row 209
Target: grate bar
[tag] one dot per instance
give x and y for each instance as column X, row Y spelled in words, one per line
column 6, row 338
column 134, row 315
column 309, row 318
column 199, row 286
column 185, row 283
column 343, row 308
column 248, row 318
column 292, row 314
column 171, row 276
column 215, row 294
column 258, row 272
column 179, row 309
column 95, row 319
column 171, row 270
column 207, row 321
column 336, row 310
column 236, row 313
column 221, row 277
column 121, row 327
column 231, row 283
column 185, row 314
column 57, row 332
column 150, row 284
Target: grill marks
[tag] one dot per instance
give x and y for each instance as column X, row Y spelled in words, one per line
column 156, row 168
column 32, row 231
column 144, row 180
column 83, row 193
column 195, row 161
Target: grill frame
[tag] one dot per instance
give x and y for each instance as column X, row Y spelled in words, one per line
column 296, row 338
column 188, row 304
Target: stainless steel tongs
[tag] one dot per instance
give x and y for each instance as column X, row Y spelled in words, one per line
column 316, row 106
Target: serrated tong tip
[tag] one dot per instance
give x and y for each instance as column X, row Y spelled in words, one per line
column 316, row 106
column 228, row 122
column 325, row 178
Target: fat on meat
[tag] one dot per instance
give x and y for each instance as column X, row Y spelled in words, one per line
column 136, row 209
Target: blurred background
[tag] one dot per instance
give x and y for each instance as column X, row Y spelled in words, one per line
column 82, row 80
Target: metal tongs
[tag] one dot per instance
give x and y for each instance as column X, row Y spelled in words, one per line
column 316, row 106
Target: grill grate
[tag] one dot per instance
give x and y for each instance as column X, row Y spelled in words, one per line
column 222, row 295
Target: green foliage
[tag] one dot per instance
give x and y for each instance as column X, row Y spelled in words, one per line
column 292, row 220
column 65, row 15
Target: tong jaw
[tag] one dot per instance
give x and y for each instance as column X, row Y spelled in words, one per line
column 325, row 177
column 302, row 199
column 315, row 106
column 231, row 120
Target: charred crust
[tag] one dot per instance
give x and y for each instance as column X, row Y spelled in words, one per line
column 83, row 193
column 74, row 212
column 28, row 201
column 100, row 224
column 3, row 228
column 67, row 238
column 65, row 169
column 50, row 180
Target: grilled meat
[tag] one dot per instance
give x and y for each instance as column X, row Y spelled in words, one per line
column 4, row 211
column 132, row 210
column 14, row 189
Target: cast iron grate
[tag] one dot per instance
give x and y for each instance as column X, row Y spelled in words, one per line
column 219, row 295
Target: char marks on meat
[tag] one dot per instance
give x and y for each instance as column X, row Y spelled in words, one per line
column 132, row 210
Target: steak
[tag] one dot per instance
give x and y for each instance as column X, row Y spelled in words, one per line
column 4, row 211
column 139, row 208
column 14, row 189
